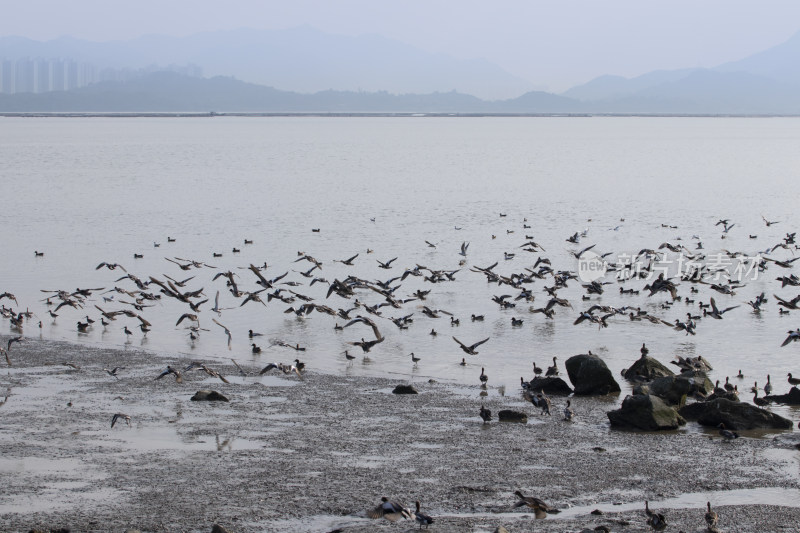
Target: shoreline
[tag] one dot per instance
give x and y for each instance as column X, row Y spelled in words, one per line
column 357, row 114
column 315, row 453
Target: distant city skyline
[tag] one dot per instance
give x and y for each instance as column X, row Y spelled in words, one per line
column 41, row 75
column 553, row 45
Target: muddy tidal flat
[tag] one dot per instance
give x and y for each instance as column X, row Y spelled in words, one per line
column 314, row 453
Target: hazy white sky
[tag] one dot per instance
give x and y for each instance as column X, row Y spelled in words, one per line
column 554, row 43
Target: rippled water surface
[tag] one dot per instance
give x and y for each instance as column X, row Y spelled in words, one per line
column 92, row 190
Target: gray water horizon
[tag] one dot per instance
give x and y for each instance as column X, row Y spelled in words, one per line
column 89, row 190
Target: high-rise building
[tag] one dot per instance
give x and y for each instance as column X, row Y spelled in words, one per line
column 7, row 76
column 24, row 76
column 58, row 82
column 43, row 78
column 39, row 75
column 71, row 74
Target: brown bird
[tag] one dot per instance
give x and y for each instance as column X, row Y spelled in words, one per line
column 655, row 520
column 539, row 507
column 711, row 517
column 200, row 366
column 470, row 349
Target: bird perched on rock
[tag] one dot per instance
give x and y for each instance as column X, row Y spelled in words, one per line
column 552, row 370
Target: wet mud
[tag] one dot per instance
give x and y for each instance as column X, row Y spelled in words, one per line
column 315, row 453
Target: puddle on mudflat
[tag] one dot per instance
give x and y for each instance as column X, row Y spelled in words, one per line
column 759, row 496
column 426, row 446
column 146, row 439
column 57, row 495
column 265, row 380
column 783, row 459
column 58, row 498
column 40, row 465
column 719, row 498
column 316, row 523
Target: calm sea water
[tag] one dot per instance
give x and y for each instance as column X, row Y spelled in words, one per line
column 84, row 191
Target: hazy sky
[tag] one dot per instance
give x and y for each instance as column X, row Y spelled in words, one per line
column 554, row 44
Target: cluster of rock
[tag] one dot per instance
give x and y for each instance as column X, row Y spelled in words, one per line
column 587, row 372
column 659, row 400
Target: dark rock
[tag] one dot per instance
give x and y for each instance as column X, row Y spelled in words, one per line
column 551, row 385
column 735, row 415
column 216, row 528
column 647, row 367
column 725, row 395
column 590, row 375
column 671, row 389
column 646, row 412
column 208, row 396
column 641, row 389
column 507, row 415
column 793, row 398
column 699, row 381
column 404, row 389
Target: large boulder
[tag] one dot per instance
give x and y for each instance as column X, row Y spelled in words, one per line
column 646, row 368
column 671, row 389
column 646, row 412
column 792, row 398
column 507, row 415
column 590, row 375
column 724, row 394
column 699, row 382
column 549, row 385
column 735, row 415
column 208, row 396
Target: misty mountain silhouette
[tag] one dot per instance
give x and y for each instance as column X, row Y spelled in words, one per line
column 765, row 83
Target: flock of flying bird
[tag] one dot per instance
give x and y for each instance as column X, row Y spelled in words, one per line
column 134, row 301
column 132, row 296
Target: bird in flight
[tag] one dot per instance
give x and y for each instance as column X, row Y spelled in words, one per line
column 227, row 331
column 470, row 349
column 119, row 416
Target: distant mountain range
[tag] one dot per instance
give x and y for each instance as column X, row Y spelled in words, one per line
column 393, row 77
